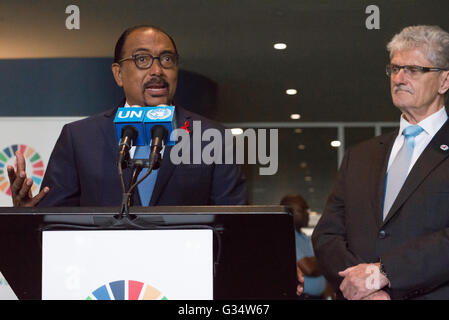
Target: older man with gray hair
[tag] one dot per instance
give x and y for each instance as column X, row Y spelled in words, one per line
column 384, row 233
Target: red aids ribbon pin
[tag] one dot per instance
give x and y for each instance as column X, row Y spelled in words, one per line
column 186, row 126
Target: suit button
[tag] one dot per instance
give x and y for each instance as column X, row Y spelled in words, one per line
column 382, row 234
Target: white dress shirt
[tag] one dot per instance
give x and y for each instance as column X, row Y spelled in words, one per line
column 431, row 125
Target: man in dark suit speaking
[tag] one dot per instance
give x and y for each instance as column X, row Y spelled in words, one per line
column 385, row 230
column 82, row 170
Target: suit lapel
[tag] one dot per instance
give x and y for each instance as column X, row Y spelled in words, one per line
column 379, row 159
column 167, row 167
column 109, row 134
column 431, row 157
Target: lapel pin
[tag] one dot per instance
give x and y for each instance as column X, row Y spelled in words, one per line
column 187, row 124
column 444, row 147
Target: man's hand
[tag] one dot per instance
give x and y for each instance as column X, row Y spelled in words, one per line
column 362, row 280
column 378, row 295
column 300, row 287
column 21, row 185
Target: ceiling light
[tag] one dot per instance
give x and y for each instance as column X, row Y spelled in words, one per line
column 335, row 144
column 291, row 92
column 236, row 131
column 295, row 116
column 280, row 46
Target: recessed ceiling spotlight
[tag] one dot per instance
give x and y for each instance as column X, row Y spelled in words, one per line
column 336, row 143
column 236, row 131
column 295, row 116
column 291, row 92
column 280, row 46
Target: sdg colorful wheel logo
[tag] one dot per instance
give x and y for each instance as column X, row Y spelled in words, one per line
column 34, row 165
column 126, row 290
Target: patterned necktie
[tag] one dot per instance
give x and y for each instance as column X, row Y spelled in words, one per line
column 146, row 187
column 399, row 168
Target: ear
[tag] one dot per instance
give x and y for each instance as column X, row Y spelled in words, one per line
column 117, row 72
column 444, row 87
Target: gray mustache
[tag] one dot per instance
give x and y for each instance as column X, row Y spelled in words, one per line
column 402, row 88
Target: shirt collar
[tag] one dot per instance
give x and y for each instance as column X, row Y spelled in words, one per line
column 127, row 105
column 431, row 124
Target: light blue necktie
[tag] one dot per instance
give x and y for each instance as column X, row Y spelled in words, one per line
column 146, row 187
column 399, row 168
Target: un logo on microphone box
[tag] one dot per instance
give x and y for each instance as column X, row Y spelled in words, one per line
column 143, row 119
column 161, row 115
column 134, row 117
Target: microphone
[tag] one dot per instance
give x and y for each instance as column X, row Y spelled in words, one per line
column 129, row 134
column 142, row 126
column 159, row 134
column 143, row 119
column 132, row 116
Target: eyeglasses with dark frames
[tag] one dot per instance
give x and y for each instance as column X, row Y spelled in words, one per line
column 411, row 70
column 167, row 60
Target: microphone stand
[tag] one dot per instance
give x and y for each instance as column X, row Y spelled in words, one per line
column 159, row 133
column 127, row 196
column 138, row 165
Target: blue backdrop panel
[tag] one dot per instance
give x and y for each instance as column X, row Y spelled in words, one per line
column 82, row 86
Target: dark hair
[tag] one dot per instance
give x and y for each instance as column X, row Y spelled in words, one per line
column 121, row 41
column 299, row 207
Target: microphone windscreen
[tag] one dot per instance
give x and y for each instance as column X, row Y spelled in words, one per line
column 130, row 131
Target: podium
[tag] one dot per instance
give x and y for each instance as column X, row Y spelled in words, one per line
column 254, row 253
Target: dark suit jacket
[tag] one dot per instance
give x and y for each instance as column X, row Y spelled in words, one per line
column 82, row 170
column 412, row 242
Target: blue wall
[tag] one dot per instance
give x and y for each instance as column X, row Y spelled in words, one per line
column 82, row 86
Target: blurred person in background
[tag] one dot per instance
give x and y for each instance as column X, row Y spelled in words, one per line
column 315, row 285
